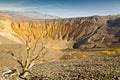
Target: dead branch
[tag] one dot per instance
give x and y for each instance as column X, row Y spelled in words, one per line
column 30, row 49
column 14, row 58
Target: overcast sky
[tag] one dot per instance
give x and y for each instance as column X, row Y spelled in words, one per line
column 64, row 8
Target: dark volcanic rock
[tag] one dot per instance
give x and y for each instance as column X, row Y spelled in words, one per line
column 92, row 68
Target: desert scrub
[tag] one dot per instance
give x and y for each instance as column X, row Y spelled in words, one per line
column 117, row 50
column 84, row 56
column 114, row 51
column 73, row 56
column 108, row 52
column 69, row 56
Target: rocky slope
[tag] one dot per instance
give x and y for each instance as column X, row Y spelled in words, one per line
column 105, row 67
column 83, row 32
column 92, row 68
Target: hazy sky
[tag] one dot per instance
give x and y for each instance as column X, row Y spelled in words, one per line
column 64, row 8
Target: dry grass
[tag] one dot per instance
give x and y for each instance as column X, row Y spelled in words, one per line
column 69, row 56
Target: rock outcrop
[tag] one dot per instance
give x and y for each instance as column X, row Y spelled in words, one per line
column 83, row 32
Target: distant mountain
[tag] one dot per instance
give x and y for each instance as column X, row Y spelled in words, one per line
column 30, row 14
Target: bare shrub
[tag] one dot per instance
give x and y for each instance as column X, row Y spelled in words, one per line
column 32, row 53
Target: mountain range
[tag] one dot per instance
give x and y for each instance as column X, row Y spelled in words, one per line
column 28, row 14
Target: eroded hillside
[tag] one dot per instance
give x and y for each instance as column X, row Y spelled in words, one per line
column 84, row 32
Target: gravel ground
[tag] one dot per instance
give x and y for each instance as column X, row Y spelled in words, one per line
column 105, row 67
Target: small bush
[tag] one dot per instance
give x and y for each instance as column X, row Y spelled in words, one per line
column 69, row 56
column 108, row 52
column 117, row 50
column 84, row 56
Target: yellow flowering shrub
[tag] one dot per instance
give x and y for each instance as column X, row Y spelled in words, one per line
column 107, row 52
column 84, row 56
column 117, row 50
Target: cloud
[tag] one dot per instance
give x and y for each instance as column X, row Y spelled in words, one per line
column 15, row 6
column 9, row 6
column 23, row 6
column 62, row 9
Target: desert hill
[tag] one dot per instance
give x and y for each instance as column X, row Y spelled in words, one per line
column 83, row 32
